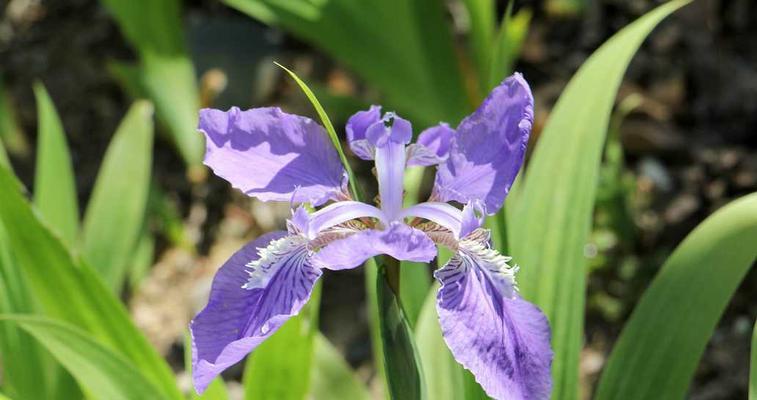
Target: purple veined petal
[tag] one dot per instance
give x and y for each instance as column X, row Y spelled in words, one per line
column 391, row 128
column 432, row 146
column 473, row 216
column 253, row 294
column 489, row 147
column 398, row 240
column 267, row 153
column 390, row 135
column 356, row 127
column 501, row 338
column 339, row 212
column 441, row 213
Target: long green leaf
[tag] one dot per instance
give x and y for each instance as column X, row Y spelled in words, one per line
column 104, row 373
column 660, row 346
column 71, row 291
column 54, row 184
column 11, row 134
column 482, row 19
column 552, row 226
column 415, row 280
column 280, row 367
column 116, row 211
column 332, row 378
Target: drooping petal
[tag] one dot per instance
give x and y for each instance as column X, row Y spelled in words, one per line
column 501, row 338
column 272, row 155
column 356, row 127
column 253, row 294
column 398, row 240
column 443, row 214
column 432, row 146
column 489, row 147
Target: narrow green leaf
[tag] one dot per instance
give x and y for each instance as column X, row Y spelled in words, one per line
column 4, row 162
column 332, row 378
column 71, row 291
column 402, row 363
column 660, row 346
column 142, row 258
column 116, row 210
column 507, row 46
column 54, row 184
column 415, row 280
column 280, row 367
column 552, row 226
column 482, row 22
column 10, row 131
column 753, row 366
column 104, row 373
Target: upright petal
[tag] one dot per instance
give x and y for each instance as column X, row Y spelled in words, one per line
column 356, row 127
column 398, row 240
column 253, row 294
column 501, row 338
column 432, row 146
column 489, row 147
column 267, row 153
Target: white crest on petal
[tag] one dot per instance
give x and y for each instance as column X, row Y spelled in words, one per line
column 264, row 268
column 474, row 252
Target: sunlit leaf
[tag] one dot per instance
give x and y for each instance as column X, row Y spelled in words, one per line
column 104, row 373
column 552, row 225
column 507, row 46
column 116, row 211
column 660, row 346
column 54, row 184
column 332, row 378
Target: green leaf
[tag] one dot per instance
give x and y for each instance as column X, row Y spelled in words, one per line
column 116, row 210
column 10, row 131
column 507, row 46
column 54, row 184
column 401, row 360
column 142, row 258
column 753, row 366
column 280, row 367
column 71, row 291
column 332, row 378
column 413, row 64
column 481, row 37
column 552, row 225
column 415, row 280
column 660, row 346
column 104, row 373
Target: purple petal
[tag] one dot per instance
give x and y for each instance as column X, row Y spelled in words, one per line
column 489, row 147
column 432, row 146
column 501, row 338
column 339, row 212
column 356, row 127
column 473, row 216
column 399, row 241
column 272, row 155
column 443, row 214
column 391, row 128
column 236, row 319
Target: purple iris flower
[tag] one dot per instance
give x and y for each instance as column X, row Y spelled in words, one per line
column 271, row 155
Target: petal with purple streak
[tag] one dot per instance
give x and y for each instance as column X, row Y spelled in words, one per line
column 250, row 299
column 488, row 148
column 356, row 127
column 432, row 146
column 398, row 240
column 272, row 155
column 501, row 338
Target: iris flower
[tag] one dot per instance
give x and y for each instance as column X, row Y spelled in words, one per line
column 274, row 156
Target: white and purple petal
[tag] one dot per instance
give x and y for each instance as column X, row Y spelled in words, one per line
column 356, row 128
column 253, row 294
column 489, row 146
column 397, row 240
column 501, row 338
column 272, row 155
column 432, row 146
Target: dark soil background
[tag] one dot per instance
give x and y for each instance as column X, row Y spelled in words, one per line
column 690, row 147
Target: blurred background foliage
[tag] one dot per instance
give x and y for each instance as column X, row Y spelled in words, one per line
column 125, row 226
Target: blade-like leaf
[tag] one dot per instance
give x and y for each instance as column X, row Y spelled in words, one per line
column 482, row 16
column 70, row 291
column 280, row 367
column 116, row 210
column 332, row 378
column 552, row 226
column 54, row 184
column 104, row 373
column 415, row 280
column 507, row 46
column 660, row 346
column 11, row 134
column 401, row 361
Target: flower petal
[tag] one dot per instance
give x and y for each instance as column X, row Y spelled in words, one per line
column 398, row 240
column 489, row 147
column 356, row 127
column 272, row 155
column 501, row 338
column 432, row 146
column 277, row 277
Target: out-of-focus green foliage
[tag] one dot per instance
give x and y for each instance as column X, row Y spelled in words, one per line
column 54, row 184
column 331, row 377
column 165, row 73
column 660, row 347
column 753, row 366
column 553, row 221
column 116, row 211
column 11, row 135
column 101, row 371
